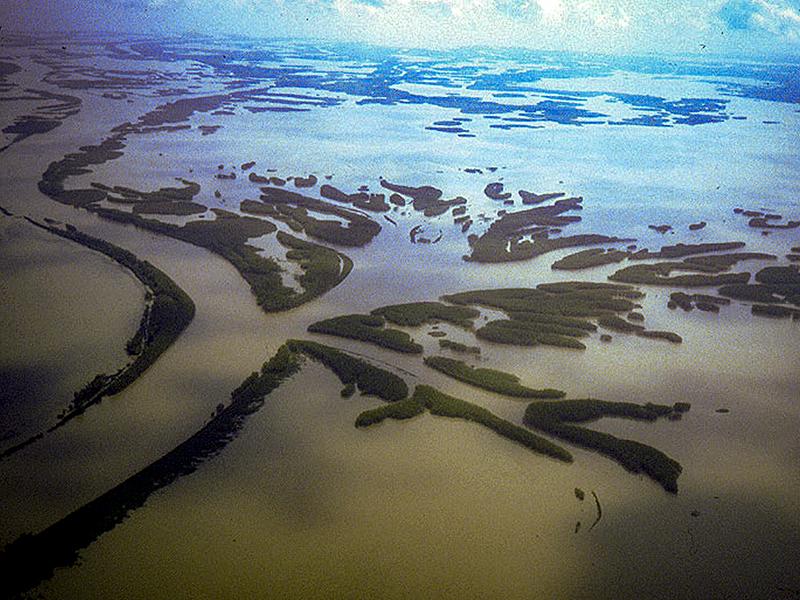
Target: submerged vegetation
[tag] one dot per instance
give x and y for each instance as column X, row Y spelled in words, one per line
column 367, row 328
column 557, row 418
column 488, row 379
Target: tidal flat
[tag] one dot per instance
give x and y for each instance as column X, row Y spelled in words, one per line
column 300, row 501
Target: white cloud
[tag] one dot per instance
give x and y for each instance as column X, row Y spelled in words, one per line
column 552, row 10
column 584, row 25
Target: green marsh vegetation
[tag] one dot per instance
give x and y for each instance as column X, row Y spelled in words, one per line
column 773, row 286
column 525, row 333
column 425, row 199
column 585, row 259
column 295, row 207
column 367, row 328
column 556, row 314
column 488, row 379
column 616, row 323
column 351, row 370
column 362, row 200
column 567, row 303
column 681, row 250
column 659, row 274
column 414, row 314
column 778, row 312
column 708, row 267
column 323, row 268
column 459, row 347
column 531, row 198
column 506, row 238
column 703, row 302
column 168, row 312
column 439, row 404
column 32, row 558
column 166, row 201
column 228, row 236
column 559, row 419
column 401, row 410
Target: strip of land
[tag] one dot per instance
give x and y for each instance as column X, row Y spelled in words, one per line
column 168, row 312
column 556, row 418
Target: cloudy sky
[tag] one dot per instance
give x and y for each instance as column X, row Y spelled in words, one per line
column 712, row 26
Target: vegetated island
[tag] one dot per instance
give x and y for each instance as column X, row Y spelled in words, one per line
column 353, row 371
column 615, row 323
column 554, row 314
column 557, row 418
column 774, row 286
column 32, row 558
column 293, row 209
column 707, row 271
column 414, row 314
column 495, row 191
column 164, row 201
column 437, row 403
column 488, row 379
column 361, row 199
column 584, row 259
column 168, row 311
column 367, row 328
column 425, row 199
column 703, row 302
column 228, row 236
column 459, row 347
column 765, row 221
column 507, row 240
column 682, row 250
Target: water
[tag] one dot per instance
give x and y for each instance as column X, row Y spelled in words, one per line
column 302, row 504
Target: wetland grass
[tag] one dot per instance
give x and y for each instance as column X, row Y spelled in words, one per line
column 488, row 379
column 559, row 418
column 439, row 404
column 367, row 328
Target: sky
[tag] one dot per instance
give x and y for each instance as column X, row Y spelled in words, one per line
column 747, row 27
